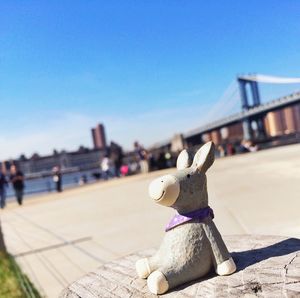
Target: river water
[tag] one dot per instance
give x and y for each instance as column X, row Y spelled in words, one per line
column 46, row 184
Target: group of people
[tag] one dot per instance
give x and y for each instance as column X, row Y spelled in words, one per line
column 152, row 161
column 144, row 161
column 16, row 178
column 114, row 165
column 231, row 149
column 111, row 166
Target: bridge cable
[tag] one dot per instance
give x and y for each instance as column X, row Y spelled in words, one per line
column 270, row 79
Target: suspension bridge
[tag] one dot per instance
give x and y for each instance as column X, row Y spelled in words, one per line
column 257, row 119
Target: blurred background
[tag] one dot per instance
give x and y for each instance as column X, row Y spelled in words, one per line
column 80, row 81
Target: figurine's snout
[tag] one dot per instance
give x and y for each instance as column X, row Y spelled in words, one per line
column 165, row 190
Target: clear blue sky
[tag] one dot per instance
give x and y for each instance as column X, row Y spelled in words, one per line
column 147, row 69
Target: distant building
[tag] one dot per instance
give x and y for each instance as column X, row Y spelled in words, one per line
column 283, row 121
column 177, row 143
column 81, row 159
column 98, row 135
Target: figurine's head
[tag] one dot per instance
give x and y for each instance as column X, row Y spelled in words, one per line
column 185, row 190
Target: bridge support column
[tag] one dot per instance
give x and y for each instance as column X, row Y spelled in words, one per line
column 243, row 92
column 255, row 93
column 247, row 132
column 260, row 128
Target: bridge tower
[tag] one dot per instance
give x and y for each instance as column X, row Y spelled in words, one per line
column 244, row 82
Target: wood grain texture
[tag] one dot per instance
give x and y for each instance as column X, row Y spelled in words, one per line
column 267, row 266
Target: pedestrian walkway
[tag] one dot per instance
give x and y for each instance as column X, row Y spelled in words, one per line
column 57, row 238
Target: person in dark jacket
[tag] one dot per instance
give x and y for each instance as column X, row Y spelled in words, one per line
column 17, row 181
column 57, row 178
column 3, row 185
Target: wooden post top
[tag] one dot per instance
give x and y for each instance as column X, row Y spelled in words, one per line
column 267, row 266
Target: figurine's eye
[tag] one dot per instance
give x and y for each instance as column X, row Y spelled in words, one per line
column 188, row 175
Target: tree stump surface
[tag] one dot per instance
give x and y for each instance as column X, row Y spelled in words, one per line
column 267, row 266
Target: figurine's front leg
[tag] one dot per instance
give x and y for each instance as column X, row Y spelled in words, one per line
column 223, row 262
column 157, row 283
column 171, row 275
column 163, row 279
column 145, row 266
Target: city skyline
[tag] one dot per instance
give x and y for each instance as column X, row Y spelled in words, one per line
column 147, row 71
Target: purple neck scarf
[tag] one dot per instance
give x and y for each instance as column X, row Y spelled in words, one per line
column 199, row 214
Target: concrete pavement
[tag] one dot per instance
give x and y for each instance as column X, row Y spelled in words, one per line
column 57, row 238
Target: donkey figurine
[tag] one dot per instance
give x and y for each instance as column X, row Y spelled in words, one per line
column 192, row 245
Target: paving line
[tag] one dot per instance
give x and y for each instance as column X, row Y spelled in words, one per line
column 51, row 265
column 44, row 240
column 80, row 269
column 237, row 219
column 92, row 256
column 50, row 247
column 220, row 204
column 48, row 265
column 23, row 282
column 104, row 248
column 41, row 259
column 37, row 282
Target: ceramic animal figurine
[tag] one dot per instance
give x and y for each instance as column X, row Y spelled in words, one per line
column 192, row 244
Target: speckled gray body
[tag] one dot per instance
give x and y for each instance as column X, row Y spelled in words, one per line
column 184, row 254
column 190, row 250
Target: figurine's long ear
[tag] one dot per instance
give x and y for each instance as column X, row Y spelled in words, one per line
column 204, row 157
column 184, row 160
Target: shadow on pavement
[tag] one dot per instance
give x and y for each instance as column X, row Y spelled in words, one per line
column 247, row 258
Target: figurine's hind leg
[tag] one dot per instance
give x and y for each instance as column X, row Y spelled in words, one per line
column 145, row 266
column 224, row 264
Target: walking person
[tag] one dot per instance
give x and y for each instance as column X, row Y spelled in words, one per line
column 57, row 178
column 3, row 185
column 142, row 156
column 17, row 181
column 107, row 167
